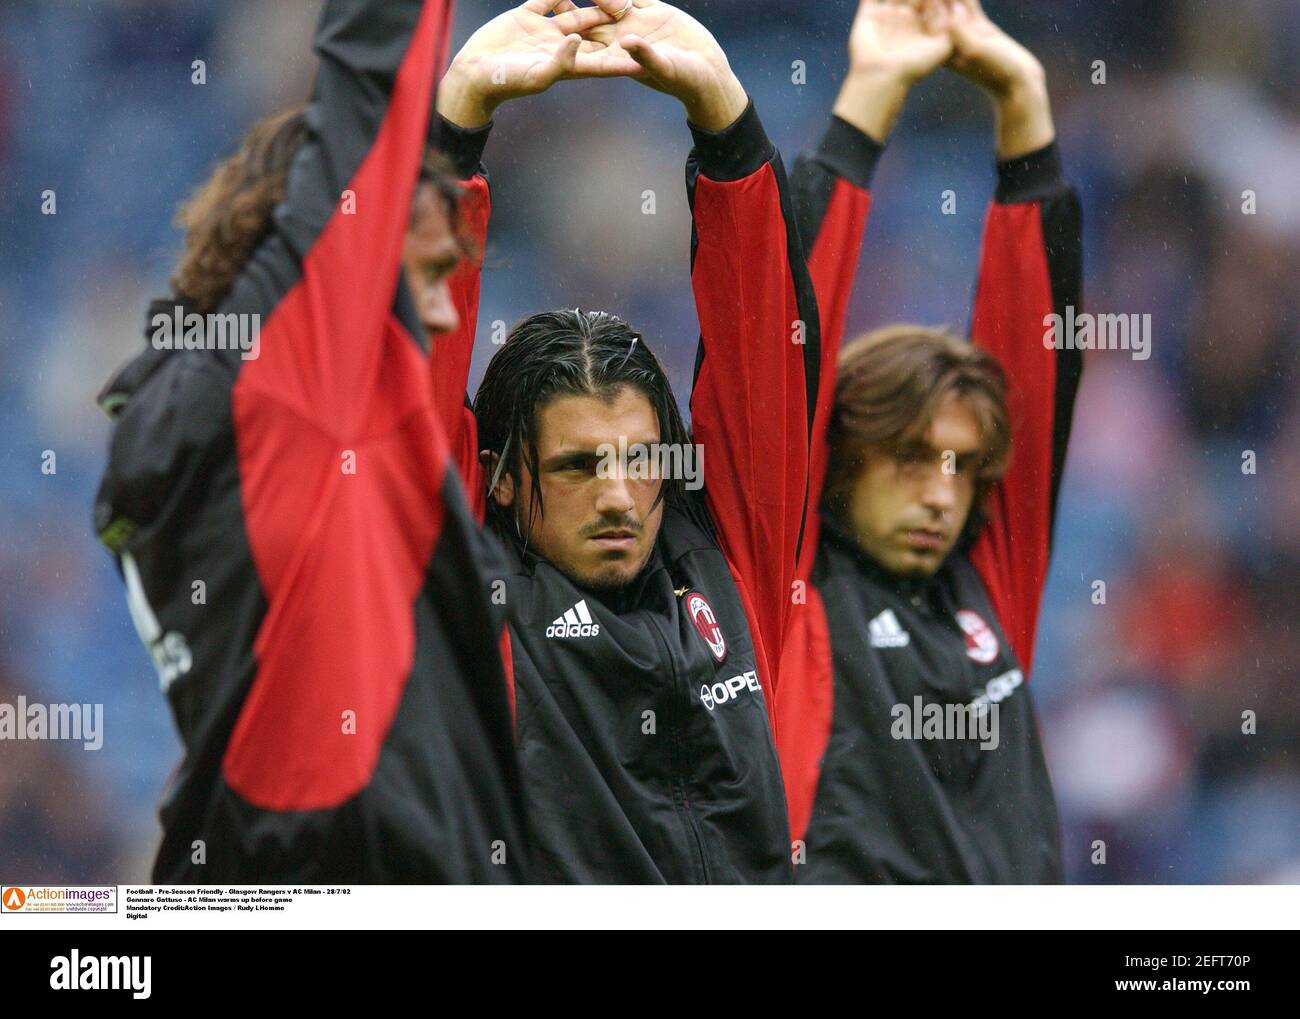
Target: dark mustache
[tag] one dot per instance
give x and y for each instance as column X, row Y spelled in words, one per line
column 622, row 524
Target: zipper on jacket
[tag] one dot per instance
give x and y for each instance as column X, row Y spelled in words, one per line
column 677, row 755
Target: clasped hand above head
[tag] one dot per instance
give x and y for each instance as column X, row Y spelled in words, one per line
column 527, row 49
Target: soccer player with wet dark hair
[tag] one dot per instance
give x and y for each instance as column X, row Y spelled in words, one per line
column 646, row 616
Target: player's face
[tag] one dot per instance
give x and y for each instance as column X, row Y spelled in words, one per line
column 430, row 255
column 595, row 525
column 908, row 506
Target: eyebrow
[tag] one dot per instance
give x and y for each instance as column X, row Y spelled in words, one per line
column 567, row 456
column 922, row 447
column 446, row 259
column 580, row 453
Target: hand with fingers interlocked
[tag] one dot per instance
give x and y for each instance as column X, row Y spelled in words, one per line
column 668, row 50
column 528, row 48
column 893, row 44
column 518, row 53
column 1011, row 76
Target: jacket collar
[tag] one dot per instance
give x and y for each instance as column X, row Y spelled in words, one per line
column 124, row 382
column 619, row 601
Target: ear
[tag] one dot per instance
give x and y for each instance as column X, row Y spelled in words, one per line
column 504, row 493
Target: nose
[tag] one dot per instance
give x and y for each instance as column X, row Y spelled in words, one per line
column 939, row 492
column 438, row 312
column 614, row 496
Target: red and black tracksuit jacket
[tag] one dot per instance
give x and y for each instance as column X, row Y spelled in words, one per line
column 866, row 806
column 643, row 726
column 299, row 555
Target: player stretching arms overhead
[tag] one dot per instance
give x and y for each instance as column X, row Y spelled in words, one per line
column 645, row 619
column 298, row 553
column 933, row 550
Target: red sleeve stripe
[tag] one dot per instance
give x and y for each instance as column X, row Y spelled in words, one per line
column 833, row 265
column 804, row 709
column 342, row 556
column 1012, row 300
column 452, row 354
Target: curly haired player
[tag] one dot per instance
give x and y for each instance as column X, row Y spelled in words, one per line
column 337, row 687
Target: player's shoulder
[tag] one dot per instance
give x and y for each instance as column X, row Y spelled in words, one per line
column 169, row 394
column 169, row 408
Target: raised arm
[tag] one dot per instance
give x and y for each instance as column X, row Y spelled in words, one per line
column 341, row 225
column 755, row 378
column 320, row 283
column 451, row 353
column 757, row 369
column 1030, row 269
column 521, row 52
column 891, row 47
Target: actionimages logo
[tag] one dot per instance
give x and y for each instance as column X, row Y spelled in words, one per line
column 75, row 972
column 58, row 899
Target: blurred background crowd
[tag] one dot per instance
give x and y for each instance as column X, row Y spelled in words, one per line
column 1141, row 697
